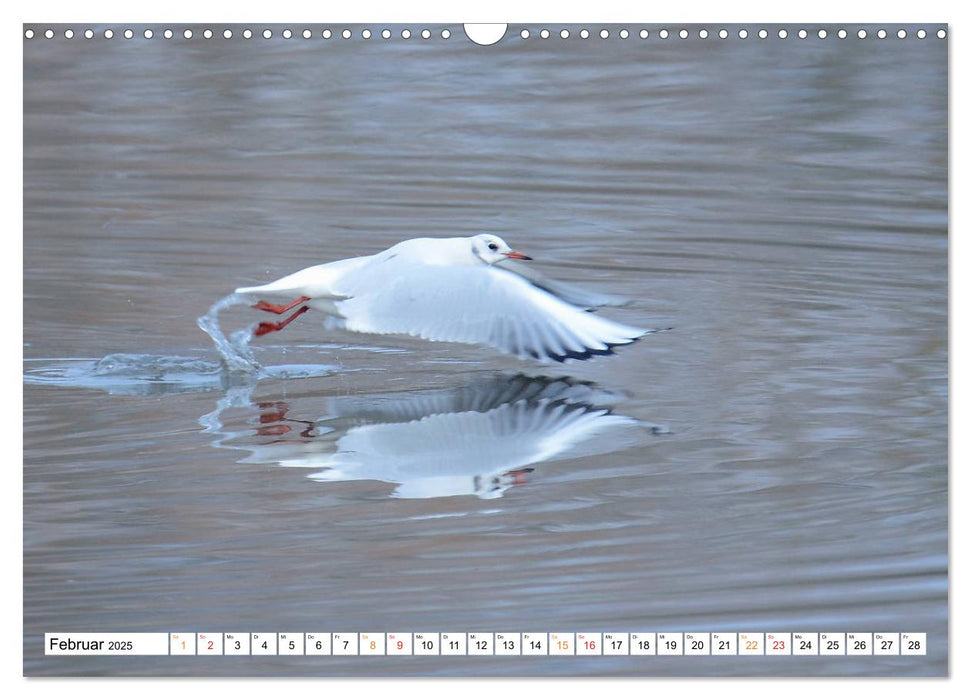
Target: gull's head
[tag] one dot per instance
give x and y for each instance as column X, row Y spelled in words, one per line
column 491, row 249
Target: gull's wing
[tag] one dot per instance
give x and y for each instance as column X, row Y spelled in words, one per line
column 473, row 304
column 570, row 293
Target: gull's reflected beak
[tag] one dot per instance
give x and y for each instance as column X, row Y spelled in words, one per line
column 516, row 255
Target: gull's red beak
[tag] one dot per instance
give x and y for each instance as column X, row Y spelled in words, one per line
column 516, row 255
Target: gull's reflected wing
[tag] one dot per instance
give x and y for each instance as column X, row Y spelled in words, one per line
column 438, row 454
column 481, row 394
column 466, row 440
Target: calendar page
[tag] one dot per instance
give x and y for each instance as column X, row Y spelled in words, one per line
column 431, row 349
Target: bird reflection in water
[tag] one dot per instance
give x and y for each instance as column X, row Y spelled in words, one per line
column 477, row 439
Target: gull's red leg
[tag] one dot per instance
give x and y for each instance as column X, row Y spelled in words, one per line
column 273, row 430
column 266, row 327
column 519, row 475
column 274, row 416
column 279, row 308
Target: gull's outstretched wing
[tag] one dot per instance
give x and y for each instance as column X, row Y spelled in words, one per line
column 567, row 291
column 473, row 304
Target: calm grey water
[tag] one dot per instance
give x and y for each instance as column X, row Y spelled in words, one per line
column 777, row 461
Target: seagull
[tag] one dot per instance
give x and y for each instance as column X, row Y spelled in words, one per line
column 453, row 290
column 479, row 438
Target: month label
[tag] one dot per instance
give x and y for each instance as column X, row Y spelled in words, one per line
column 108, row 643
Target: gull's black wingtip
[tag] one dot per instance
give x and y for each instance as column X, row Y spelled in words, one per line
column 585, row 355
column 588, row 353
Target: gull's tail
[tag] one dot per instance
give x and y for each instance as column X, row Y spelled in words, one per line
column 317, row 282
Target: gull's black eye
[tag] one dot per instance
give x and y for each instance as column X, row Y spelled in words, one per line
column 493, row 246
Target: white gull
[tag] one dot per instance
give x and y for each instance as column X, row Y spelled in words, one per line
column 450, row 289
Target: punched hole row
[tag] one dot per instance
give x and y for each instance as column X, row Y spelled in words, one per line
column 245, row 34
column 725, row 34
column 524, row 34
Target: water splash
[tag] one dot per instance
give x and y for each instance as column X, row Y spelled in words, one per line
column 235, row 351
column 145, row 374
column 135, row 374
